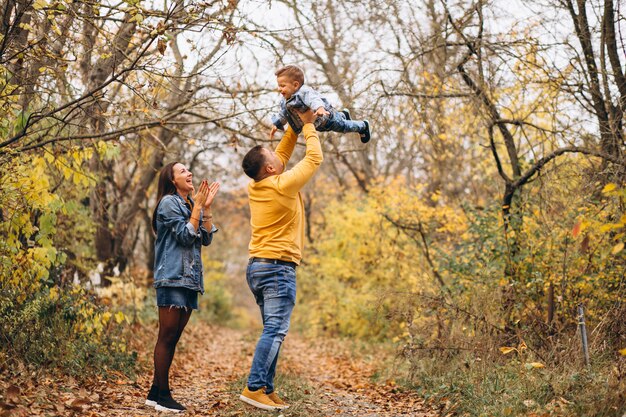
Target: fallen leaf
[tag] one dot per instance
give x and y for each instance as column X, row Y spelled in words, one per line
column 12, row 394
column 536, row 365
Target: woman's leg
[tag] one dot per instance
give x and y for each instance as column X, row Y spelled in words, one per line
column 172, row 322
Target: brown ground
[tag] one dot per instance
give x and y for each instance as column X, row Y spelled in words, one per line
column 318, row 378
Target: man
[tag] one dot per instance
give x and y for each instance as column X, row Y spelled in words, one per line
column 277, row 220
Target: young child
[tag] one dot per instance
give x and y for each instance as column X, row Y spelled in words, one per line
column 298, row 97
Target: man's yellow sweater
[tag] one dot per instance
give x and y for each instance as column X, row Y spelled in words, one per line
column 276, row 208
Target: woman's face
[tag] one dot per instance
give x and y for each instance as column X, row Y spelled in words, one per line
column 182, row 179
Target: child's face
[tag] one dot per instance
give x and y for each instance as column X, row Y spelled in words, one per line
column 287, row 86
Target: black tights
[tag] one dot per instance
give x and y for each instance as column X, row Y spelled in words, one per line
column 172, row 322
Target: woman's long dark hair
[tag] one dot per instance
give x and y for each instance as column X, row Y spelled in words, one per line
column 166, row 187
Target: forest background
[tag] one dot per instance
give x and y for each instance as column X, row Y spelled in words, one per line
column 486, row 212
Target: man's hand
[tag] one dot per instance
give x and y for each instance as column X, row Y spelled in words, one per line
column 321, row 111
column 308, row 116
column 273, row 132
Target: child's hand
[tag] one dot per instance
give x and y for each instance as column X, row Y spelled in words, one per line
column 321, row 112
column 273, row 132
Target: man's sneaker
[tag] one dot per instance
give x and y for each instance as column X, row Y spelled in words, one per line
column 258, row 399
column 346, row 113
column 153, row 396
column 167, row 403
column 274, row 397
column 365, row 135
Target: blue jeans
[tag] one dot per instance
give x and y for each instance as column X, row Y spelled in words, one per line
column 336, row 122
column 274, row 288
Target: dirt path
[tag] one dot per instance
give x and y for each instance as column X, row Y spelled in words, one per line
column 317, row 379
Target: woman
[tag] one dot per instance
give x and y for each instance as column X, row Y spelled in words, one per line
column 182, row 225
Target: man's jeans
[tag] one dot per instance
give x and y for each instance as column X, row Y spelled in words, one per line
column 274, row 288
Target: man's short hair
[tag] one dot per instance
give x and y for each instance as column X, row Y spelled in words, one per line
column 294, row 72
column 253, row 162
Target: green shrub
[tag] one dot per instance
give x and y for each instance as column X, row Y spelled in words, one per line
column 63, row 331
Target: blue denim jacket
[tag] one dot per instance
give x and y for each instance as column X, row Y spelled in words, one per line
column 303, row 99
column 177, row 260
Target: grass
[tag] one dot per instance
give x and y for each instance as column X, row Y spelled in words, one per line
column 470, row 387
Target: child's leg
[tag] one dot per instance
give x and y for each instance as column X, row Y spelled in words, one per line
column 337, row 122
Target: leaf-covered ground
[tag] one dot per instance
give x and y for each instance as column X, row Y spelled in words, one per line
column 317, row 377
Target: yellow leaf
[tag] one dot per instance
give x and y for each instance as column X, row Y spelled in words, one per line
column 617, row 248
column 506, row 350
column 39, row 4
column 137, row 18
column 106, row 317
column 26, row 27
column 119, row 317
column 54, row 293
column 609, row 187
column 536, row 365
column 622, row 352
column 610, row 226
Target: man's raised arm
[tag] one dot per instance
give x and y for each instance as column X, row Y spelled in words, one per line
column 291, row 181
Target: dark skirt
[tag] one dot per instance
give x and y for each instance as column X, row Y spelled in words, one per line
column 177, row 297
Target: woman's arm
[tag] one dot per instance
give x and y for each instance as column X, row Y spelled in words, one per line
column 207, row 229
column 173, row 217
column 207, row 215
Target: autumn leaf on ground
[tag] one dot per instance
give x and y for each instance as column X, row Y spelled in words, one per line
column 13, row 394
column 532, row 365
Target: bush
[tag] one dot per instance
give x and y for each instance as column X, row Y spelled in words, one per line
column 452, row 286
column 215, row 305
column 63, row 330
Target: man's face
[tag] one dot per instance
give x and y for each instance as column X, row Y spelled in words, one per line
column 287, row 86
column 271, row 159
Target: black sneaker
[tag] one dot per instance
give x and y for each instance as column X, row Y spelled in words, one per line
column 346, row 113
column 153, row 396
column 365, row 135
column 167, row 403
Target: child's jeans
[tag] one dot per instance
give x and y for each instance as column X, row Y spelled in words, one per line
column 336, row 122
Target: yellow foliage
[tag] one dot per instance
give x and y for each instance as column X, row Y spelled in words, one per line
column 29, row 213
column 360, row 260
column 534, row 365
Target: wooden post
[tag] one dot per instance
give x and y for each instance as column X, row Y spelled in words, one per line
column 583, row 332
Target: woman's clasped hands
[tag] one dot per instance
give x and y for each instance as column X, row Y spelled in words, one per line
column 206, row 193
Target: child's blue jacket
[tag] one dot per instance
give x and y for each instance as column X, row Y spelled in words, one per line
column 303, row 99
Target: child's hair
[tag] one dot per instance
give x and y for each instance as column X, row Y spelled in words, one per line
column 292, row 71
